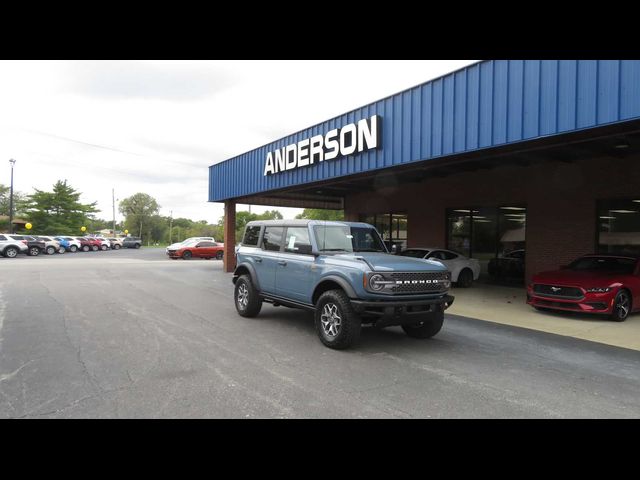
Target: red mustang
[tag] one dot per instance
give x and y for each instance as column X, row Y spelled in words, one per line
column 608, row 284
column 196, row 249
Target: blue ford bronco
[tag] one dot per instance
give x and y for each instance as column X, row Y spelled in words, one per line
column 341, row 271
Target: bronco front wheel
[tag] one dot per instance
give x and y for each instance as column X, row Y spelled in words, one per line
column 337, row 324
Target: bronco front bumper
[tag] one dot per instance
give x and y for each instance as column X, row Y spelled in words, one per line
column 398, row 312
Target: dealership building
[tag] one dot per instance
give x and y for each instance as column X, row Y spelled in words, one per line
column 500, row 156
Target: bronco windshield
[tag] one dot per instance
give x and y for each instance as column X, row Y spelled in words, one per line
column 343, row 238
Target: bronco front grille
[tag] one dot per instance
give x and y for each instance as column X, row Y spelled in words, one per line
column 420, row 282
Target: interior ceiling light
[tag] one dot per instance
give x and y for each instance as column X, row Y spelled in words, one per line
column 463, row 211
column 512, row 208
column 623, row 211
column 607, row 217
column 622, row 145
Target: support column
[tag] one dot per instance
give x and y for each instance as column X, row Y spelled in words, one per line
column 229, row 236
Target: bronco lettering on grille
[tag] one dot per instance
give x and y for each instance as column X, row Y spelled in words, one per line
column 404, row 282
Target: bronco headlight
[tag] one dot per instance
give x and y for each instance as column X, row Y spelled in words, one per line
column 375, row 282
column 598, row 290
column 378, row 283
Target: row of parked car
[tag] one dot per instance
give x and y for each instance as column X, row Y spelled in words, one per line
column 12, row 245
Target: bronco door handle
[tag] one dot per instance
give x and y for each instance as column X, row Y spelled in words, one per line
column 257, row 259
column 282, row 262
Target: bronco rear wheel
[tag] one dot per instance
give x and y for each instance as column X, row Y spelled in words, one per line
column 430, row 324
column 337, row 324
column 248, row 302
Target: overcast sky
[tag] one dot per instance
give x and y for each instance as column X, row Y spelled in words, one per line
column 155, row 126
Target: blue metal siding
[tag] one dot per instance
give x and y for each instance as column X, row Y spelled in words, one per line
column 485, row 105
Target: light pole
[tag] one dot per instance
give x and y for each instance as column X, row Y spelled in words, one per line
column 170, row 227
column 12, row 162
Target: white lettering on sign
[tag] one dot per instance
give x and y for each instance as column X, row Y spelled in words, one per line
column 353, row 138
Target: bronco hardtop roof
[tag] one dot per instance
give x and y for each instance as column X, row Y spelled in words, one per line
column 304, row 222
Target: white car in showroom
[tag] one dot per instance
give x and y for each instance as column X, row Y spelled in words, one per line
column 463, row 270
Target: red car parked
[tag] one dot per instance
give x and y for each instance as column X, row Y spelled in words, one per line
column 88, row 243
column 605, row 284
column 204, row 249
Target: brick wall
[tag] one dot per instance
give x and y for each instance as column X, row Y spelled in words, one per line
column 560, row 200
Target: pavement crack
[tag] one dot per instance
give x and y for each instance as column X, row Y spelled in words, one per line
column 9, row 376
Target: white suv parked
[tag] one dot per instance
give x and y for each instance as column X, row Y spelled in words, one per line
column 51, row 246
column 11, row 248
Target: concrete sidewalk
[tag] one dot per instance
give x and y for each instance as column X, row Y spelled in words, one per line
column 507, row 305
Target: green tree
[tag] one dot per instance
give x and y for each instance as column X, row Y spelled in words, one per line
column 138, row 210
column 157, row 228
column 319, row 214
column 19, row 200
column 57, row 212
column 242, row 218
column 95, row 224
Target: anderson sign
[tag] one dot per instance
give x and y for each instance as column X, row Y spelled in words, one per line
column 339, row 142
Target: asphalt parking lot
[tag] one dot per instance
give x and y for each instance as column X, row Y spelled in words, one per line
column 132, row 334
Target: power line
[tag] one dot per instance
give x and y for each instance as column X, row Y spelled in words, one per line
column 95, row 145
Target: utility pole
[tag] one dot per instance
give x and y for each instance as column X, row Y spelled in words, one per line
column 113, row 199
column 12, row 162
column 170, row 227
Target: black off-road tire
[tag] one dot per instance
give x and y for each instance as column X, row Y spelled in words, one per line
column 186, row 255
column 246, row 297
column 10, row 252
column 334, row 303
column 430, row 324
column 619, row 314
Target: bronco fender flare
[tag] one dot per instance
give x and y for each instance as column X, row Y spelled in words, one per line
column 243, row 268
column 344, row 284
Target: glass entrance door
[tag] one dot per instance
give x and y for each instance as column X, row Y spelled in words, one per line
column 392, row 227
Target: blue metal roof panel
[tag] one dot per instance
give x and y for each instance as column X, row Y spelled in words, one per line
column 484, row 105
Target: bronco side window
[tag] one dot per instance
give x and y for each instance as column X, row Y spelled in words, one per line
column 297, row 240
column 251, row 236
column 272, row 238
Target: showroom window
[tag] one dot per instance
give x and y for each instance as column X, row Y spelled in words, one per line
column 392, row 227
column 486, row 232
column 619, row 226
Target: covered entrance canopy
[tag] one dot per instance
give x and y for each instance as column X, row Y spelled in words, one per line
column 481, row 118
